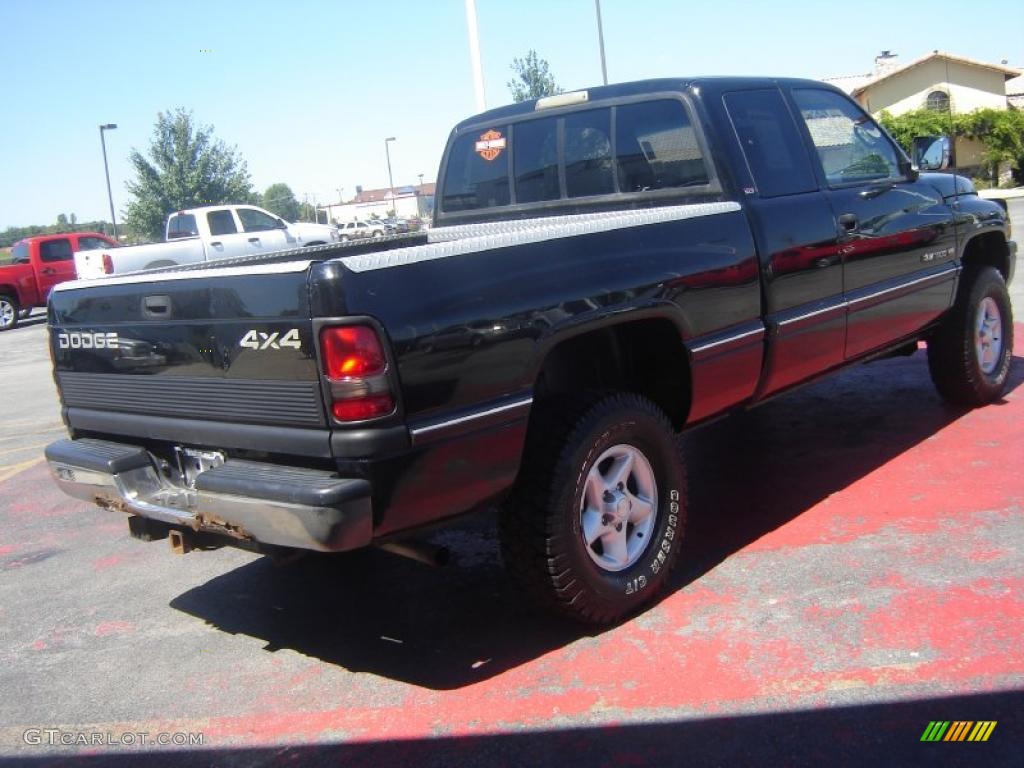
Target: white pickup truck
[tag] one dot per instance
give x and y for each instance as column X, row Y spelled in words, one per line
column 206, row 234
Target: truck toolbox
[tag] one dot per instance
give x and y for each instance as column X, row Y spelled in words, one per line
column 248, row 500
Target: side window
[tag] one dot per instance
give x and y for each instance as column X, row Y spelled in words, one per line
column 19, row 253
column 55, row 250
column 182, row 225
column 588, row 153
column 92, row 243
column 774, row 149
column 256, row 221
column 656, row 147
column 536, row 160
column 221, row 223
column 477, row 172
column 850, row 146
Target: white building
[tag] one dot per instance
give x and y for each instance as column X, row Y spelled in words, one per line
column 408, row 202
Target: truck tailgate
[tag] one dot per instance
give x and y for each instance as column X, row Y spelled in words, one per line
column 231, row 344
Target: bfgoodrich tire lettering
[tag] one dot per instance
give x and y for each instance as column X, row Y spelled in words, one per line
column 544, row 528
column 969, row 354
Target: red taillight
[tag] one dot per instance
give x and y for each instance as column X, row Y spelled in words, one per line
column 353, row 350
column 360, row 408
column 108, row 264
column 355, row 366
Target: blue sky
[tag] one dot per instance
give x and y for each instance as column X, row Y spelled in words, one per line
column 308, row 91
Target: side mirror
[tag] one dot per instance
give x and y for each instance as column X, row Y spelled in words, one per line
column 932, row 153
column 281, row 224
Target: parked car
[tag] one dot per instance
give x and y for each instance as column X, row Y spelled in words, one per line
column 670, row 251
column 37, row 264
column 357, row 230
column 207, row 234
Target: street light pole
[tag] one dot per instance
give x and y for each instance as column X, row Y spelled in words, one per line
column 106, row 171
column 600, row 40
column 391, row 182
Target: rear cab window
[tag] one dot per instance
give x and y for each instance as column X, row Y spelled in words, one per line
column 93, row 243
column 181, row 225
column 19, row 253
column 55, row 250
column 594, row 154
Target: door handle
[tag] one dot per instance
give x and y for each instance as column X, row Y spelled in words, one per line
column 848, row 222
column 49, row 271
column 254, row 240
column 217, row 244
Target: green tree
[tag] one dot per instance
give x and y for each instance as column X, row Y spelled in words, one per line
column 187, row 168
column 74, row 220
column 306, row 212
column 62, row 222
column 1000, row 130
column 280, row 200
column 533, row 78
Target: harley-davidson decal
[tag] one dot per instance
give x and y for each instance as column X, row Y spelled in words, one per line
column 490, row 145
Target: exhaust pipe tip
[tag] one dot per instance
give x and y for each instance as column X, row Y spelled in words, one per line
column 420, row 551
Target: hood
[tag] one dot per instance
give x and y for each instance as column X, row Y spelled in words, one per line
column 306, row 231
column 949, row 184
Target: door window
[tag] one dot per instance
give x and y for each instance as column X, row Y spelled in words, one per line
column 775, row 153
column 221, row 223
column 55, row 250
column 256, row 221
column 851, row 147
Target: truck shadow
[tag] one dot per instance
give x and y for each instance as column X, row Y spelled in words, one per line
column 451, row 627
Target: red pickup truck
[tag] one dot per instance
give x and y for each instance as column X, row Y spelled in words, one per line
column 37, row 264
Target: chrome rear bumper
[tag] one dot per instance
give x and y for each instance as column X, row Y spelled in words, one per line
column 245, row 500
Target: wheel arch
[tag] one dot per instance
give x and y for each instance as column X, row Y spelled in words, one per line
column 645, row 355
column 987, row 249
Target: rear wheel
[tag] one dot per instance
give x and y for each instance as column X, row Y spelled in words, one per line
column 596, row 523
column 9, row 313
column 969, row 354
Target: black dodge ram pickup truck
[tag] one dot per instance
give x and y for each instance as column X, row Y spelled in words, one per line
column 607, row 268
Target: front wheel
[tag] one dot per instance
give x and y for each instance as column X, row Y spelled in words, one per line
column 9, row 313
column 969, row 354
column 596, row 523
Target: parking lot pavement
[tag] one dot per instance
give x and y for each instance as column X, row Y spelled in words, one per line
column 854, row 569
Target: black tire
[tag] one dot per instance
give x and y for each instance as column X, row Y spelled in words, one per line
column 541, row 526
column 10, row 314
column 954, row 362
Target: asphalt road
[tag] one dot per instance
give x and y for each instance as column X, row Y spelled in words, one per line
column 854, row 570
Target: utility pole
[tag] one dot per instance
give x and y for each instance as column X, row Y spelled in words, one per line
column 474, row 55
column 600, row 40
column 106, row 171
column 391, row 183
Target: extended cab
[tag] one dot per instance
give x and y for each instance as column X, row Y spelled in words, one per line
column 207, row 234
column 37, row 264
column 606, row 269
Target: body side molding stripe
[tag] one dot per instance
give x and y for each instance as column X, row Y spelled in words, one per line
column 428, row 428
